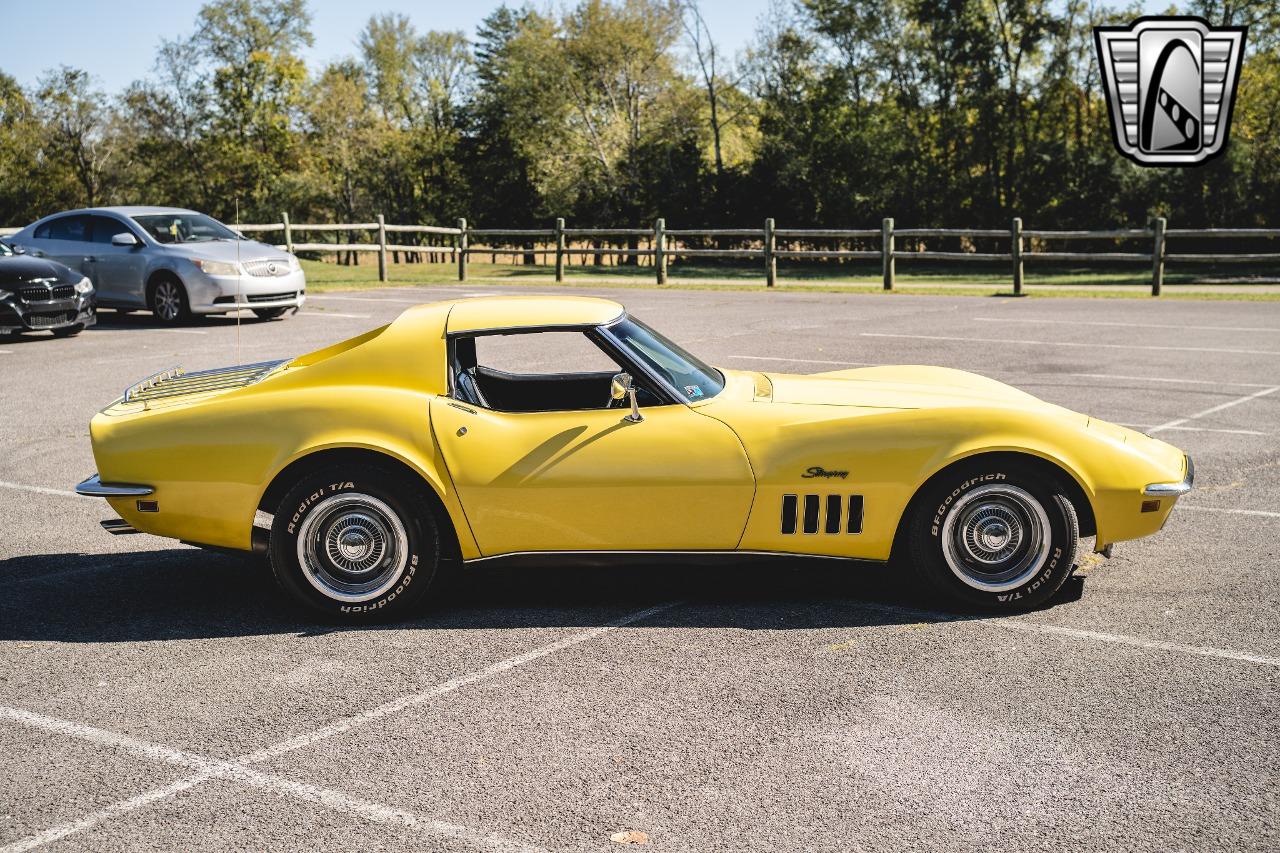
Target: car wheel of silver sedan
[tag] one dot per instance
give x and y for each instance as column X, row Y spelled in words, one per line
column 168, row 301
column 355, row 544
column 998, row 535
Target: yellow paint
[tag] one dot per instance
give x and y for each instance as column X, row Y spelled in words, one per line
column 705, row 476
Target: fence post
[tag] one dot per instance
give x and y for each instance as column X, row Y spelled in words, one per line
column 559, row 249
column 382, row 248
column 462, row 249
column 1157, row 257
column 660, row 249
column 770, row 262
column 1015, row 250
column 886, row 251
column 288, row 233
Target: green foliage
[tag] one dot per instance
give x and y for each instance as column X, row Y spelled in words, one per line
column 935, row 112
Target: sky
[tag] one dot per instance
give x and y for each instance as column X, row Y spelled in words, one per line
column 116, row 43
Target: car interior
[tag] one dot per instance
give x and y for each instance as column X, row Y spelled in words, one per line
column 500, row 390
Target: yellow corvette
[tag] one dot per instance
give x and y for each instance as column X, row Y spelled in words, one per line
column 560, row 428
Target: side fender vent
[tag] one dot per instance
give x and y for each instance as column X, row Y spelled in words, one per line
column 833, row 521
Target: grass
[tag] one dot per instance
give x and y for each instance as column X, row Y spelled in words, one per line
column 921, row 279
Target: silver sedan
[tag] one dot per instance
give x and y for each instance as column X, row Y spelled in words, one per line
column 171, row 261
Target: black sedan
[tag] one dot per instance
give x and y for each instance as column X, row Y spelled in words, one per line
column 36, row 294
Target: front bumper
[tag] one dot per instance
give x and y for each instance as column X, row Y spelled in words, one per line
column 18, row 315
column 1173, row 490
column 220, row 294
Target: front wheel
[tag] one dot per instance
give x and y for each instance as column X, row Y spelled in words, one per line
column 169, row 302
column 356, row 544
column 998, row 536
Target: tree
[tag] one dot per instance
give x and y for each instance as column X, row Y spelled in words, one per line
column 79, row 129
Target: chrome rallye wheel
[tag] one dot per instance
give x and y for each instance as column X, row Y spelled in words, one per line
column 999, row 536
column 356, row 544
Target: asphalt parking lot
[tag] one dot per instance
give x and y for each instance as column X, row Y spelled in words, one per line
column 157, row 696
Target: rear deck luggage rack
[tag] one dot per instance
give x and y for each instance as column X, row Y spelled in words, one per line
column 175, row 381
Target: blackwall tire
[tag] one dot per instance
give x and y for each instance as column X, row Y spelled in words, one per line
column 998, row 536
column 356, row 544
column 168, row 302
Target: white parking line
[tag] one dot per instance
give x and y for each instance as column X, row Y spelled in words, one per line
column 1125, row 325
column 1170, row 379
column 1193, row 429
column 41, row 490
column 237, row 771
column 1213, row 409
column 6, row 352
column 227, row 770
column 369, row 299
column 323, row 313
column 807, row 361
column 1257, row 512
column 1069, row 344
column 178, row 331
column 1019, row 624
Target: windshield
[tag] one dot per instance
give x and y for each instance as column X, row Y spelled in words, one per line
column 692, row 378
column 184, row 228
column 5, row 248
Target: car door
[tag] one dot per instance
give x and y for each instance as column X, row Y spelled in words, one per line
column 117, row 271
column 592, row 480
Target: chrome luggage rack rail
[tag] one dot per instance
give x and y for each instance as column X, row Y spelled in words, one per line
column 175, row 382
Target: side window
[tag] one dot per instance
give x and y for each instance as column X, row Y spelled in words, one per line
column 42, row 232
column 542, row 353
column 70, row 228
column 104, row 228
column 536, row 372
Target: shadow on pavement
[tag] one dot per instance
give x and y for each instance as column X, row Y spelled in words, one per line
column 185, row 593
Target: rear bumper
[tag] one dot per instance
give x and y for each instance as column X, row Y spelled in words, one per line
column 95, row 488
column 1173, row 490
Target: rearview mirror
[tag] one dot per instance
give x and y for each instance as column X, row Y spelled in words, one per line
column 620, row 387
column 124, row 239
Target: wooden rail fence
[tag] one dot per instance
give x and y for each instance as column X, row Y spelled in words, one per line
column 767, row 245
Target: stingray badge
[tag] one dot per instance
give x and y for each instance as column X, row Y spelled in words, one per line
column 1170, row 84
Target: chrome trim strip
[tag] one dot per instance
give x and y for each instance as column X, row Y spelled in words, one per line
column 1173, row 490
column 95, row 488
column 663, row 553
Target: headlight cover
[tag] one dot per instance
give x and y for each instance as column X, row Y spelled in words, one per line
column 294, row 264
column 215, row 267
column 84, row 286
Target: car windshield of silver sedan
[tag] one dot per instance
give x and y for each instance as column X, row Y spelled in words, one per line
column 184, row 228
column 688, row 375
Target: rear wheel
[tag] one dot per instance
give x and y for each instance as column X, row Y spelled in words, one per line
column 168, row 301
column 269, row 313
column 356, row 544
column 998, row 536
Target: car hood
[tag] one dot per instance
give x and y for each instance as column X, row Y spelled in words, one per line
column 19, row 269
column 903, row 387
column 227, row 250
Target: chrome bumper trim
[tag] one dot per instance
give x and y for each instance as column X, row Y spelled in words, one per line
column 95, row 488
column 1173, row 490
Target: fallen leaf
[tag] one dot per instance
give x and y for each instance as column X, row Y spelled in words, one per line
column 630, row 836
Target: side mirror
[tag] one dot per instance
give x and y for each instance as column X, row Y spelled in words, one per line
column 124, row 239
column 620, row 387
column 19, row 250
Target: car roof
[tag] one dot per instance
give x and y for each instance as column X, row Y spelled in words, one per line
column 126, row 210
column 484, row 313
